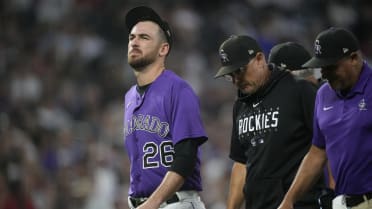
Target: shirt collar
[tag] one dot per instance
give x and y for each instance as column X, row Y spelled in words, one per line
column 364, row 76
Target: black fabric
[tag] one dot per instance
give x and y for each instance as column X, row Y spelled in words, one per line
column 355, row 200
column 185, row 156
column 136, row 201
column 142, row 89
column 331, row 45
column 272, row 131
column 139, row 201
column 289, row 55
column 325, row 199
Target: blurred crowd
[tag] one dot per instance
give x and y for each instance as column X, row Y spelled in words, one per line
column 63, row 75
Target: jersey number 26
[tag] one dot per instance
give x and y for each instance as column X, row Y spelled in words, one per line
column 152, row 150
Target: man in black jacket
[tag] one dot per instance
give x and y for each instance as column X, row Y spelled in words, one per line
column 272, row 127
column 291, row 56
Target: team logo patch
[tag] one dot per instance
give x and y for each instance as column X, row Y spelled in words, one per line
column 224, row 56
column 317, row 47
column 345, row 50
column 362, row 105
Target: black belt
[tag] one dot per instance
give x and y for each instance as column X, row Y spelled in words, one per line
column 354, row 200
column 137, row 201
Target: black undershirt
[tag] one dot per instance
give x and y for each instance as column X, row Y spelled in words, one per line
column 185, row 156
column 141, row 89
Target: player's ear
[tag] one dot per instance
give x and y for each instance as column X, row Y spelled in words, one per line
column 164, row 49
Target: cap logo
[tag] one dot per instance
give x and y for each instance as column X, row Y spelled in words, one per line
column 250, row 51
column 345, row 50
column 224, row 57
column 283, row 65
column 168, row 32
column 317, row 47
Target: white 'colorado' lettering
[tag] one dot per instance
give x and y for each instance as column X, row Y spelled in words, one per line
column 147, row 123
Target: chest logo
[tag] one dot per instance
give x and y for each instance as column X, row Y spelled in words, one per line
column 327, row 108
column 256, row 104
column 362, row 105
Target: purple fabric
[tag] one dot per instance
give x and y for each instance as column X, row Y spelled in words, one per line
column 343, row 126
column 165, row 114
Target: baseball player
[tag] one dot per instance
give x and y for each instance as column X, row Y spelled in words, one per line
column 162, row 123
column 272, row 123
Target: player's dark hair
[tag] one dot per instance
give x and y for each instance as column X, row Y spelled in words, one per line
column 163, row 38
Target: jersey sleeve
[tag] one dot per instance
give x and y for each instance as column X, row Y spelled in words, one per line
column 185, row 114
column 237, row 150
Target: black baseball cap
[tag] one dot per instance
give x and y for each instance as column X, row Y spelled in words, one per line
column 143, row 13
column 289, row 55
column 331, row 45
column 236, row 52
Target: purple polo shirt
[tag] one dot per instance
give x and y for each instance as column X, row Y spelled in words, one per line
column 154, row 122
column 343, row 127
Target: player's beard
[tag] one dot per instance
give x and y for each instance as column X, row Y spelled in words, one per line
column 142, row 62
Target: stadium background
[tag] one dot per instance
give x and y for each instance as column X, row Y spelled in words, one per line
column 63, row 74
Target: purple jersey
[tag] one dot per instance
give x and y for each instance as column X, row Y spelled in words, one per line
column 154, row 122
column 343, row 126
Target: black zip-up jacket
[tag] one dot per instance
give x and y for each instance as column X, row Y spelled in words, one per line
column 272, row 132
